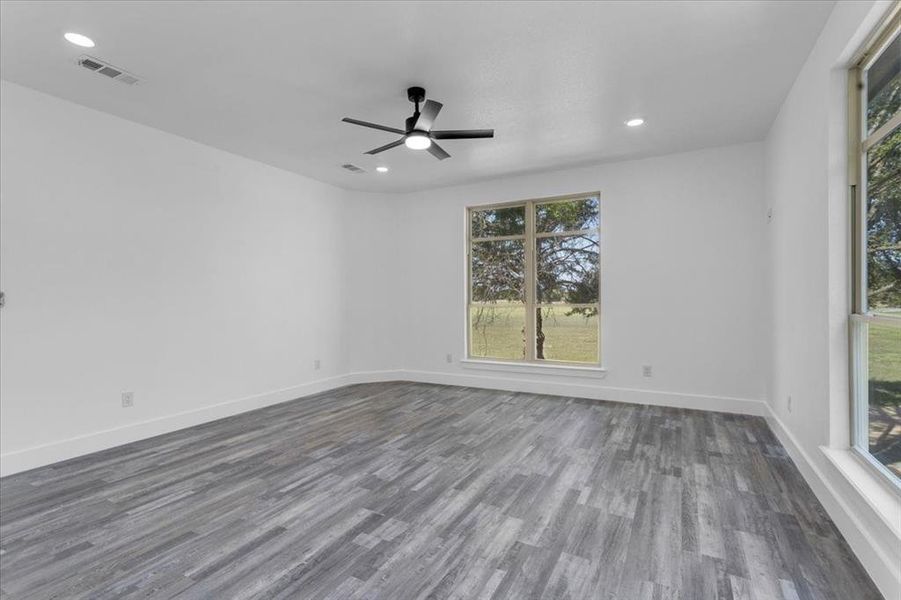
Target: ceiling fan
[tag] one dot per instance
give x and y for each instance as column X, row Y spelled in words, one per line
column 418, row 133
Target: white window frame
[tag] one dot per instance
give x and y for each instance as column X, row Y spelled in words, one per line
column 861, row 317
column 530, row 238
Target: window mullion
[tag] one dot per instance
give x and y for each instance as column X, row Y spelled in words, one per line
column 497, row 238
column 567, row 233
column 856, row 95
column 531, row 281
column 566, row 304
column 860, row 199
column 882, row 133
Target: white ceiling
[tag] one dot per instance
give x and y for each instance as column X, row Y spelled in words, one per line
column 272, row 80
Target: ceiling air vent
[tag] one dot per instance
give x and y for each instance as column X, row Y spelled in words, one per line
column 104, row 68
column 109, row 72
column 352, row 168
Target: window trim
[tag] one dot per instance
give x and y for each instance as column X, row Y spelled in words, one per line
column 861, row 317
column 529, row 238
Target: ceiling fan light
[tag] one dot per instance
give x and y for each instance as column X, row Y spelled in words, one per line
column 417, row 140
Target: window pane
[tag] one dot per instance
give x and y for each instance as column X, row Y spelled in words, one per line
column 884, row 392
column 884, row 87
column 567, row 216
column 497, row 331
column 567, row 334
column 567, row 269
column 498, row 271
column 498, row 221
column 884, row 225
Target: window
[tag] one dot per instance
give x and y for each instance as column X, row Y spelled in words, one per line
column 876, row 197
column 534, row 281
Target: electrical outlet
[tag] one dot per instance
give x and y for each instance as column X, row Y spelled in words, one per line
column 316, row 364
column 788, row 403
column 450, row 358
column 647, row 371
column 128, row 399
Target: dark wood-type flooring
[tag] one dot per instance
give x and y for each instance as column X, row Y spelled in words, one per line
column 405, row 490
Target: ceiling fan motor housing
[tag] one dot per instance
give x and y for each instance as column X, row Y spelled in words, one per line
column 416, row 94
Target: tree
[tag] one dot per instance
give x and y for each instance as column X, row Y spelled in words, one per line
column 884, row 203
column 566, row 266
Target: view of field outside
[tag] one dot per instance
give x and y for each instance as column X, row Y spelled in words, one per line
column 885, row 395
column 564, row 282
column 498, row 332
column 883, row 165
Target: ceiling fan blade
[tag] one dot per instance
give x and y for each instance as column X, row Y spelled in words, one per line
column 438, row 152
column 372, row 125
column 427, row 115
column 462, row 134
column 386, row 147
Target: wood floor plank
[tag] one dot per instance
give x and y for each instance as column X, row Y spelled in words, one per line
column 404, row 490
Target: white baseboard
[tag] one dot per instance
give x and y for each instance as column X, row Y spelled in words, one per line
column 38, row 456
column 868, row 545
column 559, row 387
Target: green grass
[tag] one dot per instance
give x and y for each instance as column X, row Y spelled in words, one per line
column 572, row 338
column 884, row 352
column 497, row 332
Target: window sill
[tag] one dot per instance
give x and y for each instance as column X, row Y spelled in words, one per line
column 534, row 368
column 877, row 491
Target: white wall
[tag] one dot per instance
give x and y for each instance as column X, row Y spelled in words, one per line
column 806, row 166
column 136, row 260
column 373, row 315
column 682, row 276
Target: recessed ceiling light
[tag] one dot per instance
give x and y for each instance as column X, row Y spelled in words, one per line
column 635, row 122
column 79, row 40
column 382, row 169
column 417, row 140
